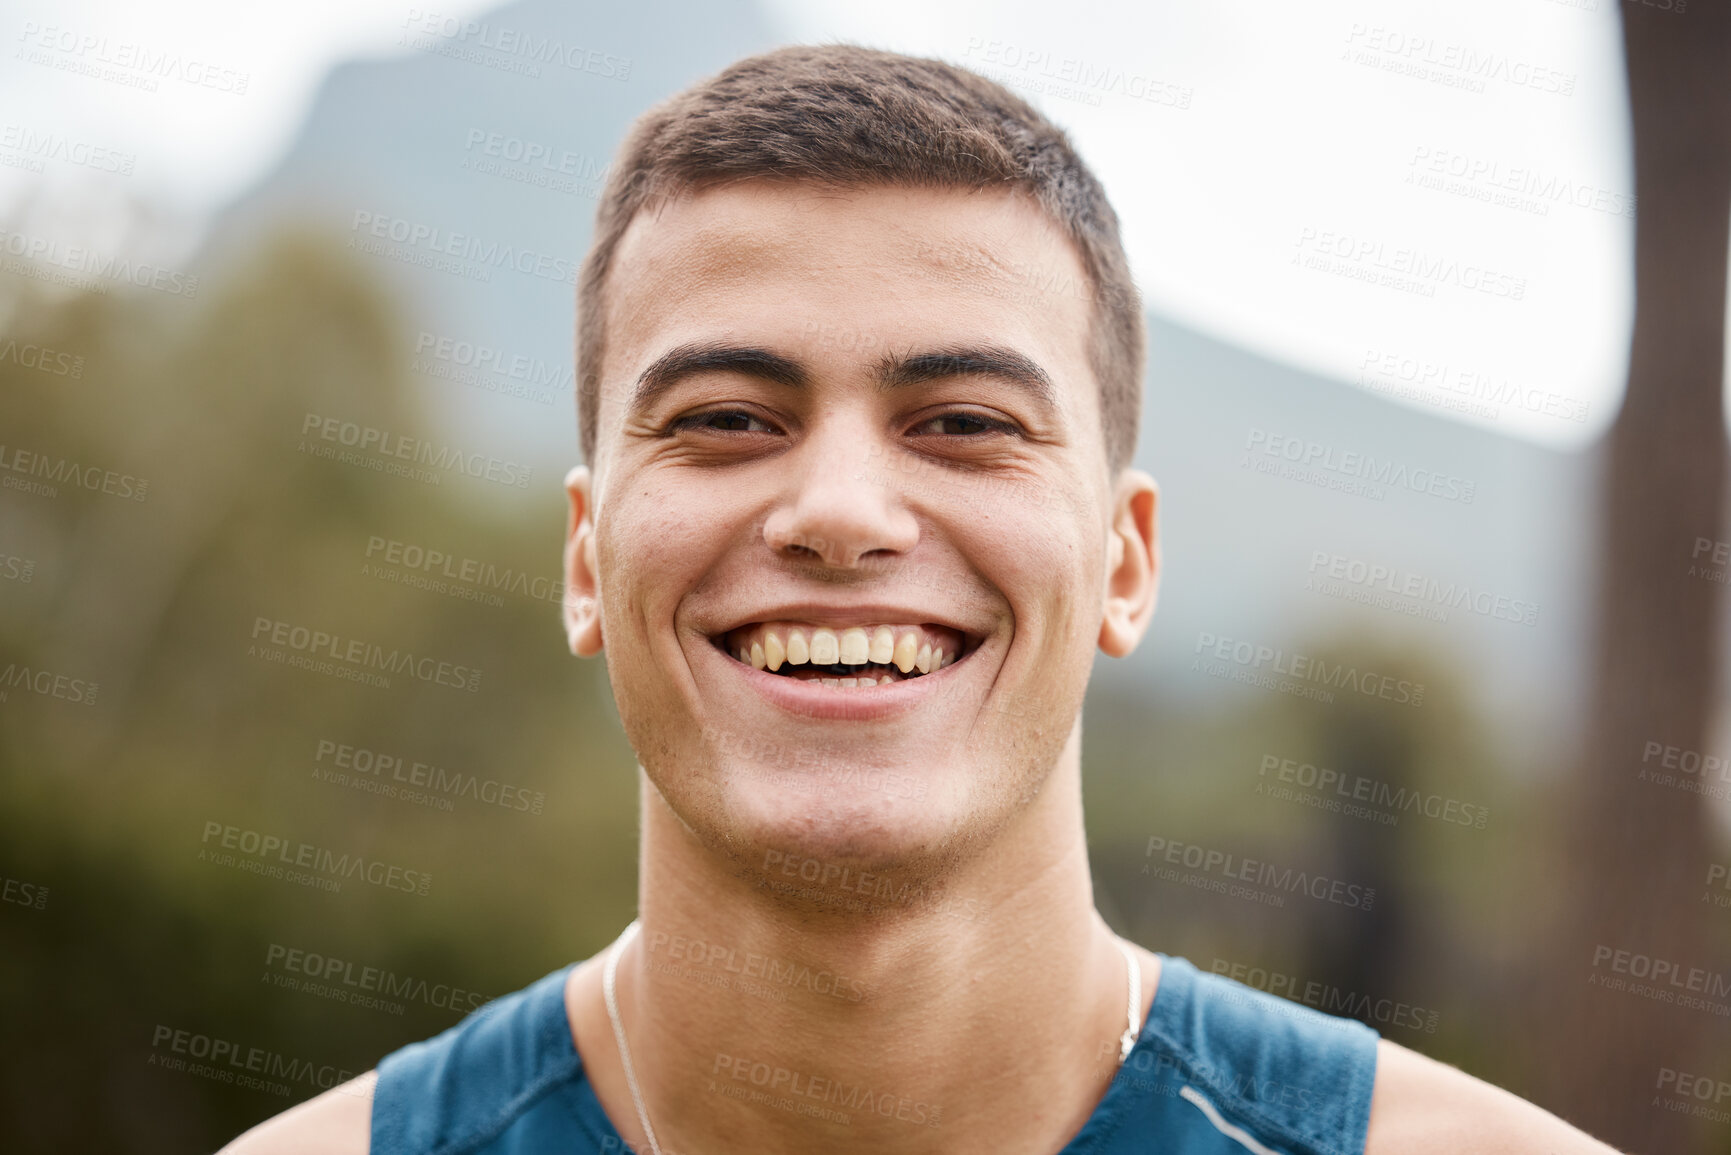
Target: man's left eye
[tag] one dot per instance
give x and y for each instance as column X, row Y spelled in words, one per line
column 961, row 425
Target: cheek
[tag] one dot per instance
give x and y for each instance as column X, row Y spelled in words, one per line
column 649, row 556
column 1045, row 565
column 650, row 552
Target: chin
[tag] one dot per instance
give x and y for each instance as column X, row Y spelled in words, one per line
column 824, row 832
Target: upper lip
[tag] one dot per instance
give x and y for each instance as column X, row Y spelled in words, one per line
column 841, row 617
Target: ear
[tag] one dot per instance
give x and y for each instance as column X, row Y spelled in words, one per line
column 582, row 603
column 1132, row 563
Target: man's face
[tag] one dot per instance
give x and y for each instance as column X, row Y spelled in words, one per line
column 841, row 433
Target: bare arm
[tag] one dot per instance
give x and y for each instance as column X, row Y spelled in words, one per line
column 338, row 1122
column 1423, row 1107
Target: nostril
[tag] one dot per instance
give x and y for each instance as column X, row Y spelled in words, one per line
column 807, row 545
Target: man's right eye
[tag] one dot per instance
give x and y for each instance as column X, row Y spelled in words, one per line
column 726, row 420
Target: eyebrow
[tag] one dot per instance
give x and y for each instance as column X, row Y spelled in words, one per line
column 994, row 361
column 891, row 372
column 684, row 361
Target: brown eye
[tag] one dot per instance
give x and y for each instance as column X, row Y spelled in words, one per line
column 961, row 425
column 724, row 420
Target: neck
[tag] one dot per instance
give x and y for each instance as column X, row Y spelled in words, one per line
column 987, row 1020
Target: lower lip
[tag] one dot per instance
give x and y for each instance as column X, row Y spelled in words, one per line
column 816, row 700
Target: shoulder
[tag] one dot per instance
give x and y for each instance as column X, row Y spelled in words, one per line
column 1421, row 1107
column 432, row 1094
column 338, row 1122
column 1298, row 1077
column 1246, row 1029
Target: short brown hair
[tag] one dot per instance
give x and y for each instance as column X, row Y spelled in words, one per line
column 847, row 116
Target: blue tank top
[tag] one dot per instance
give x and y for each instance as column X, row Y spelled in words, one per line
column 1219, row 1069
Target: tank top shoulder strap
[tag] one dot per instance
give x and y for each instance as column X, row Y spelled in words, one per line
column 458, row 1090
column 1267, row 1072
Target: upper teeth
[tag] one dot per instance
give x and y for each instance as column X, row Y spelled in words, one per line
column 772, row 645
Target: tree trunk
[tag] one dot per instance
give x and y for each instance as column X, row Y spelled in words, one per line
column 1637, row 849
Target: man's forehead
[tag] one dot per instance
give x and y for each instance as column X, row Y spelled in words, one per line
column 993, row 241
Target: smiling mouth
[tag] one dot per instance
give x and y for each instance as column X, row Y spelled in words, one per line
column 854, row 657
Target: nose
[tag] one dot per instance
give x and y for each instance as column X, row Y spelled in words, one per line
column 836, row 510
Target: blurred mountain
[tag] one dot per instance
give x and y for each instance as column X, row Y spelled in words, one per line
column 468, row 166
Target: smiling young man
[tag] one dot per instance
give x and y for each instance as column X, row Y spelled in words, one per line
column 864, row 368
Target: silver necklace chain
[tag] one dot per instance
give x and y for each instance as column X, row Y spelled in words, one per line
column 1126, row 1041
column 1133, row 1006
column 625, row 937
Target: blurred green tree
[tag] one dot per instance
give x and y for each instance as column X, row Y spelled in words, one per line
column 155, row 601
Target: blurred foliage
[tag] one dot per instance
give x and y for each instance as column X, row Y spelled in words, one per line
column 155, row 601
column 1432, row 962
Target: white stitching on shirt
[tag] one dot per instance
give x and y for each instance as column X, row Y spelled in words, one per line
column 1237, row 1134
